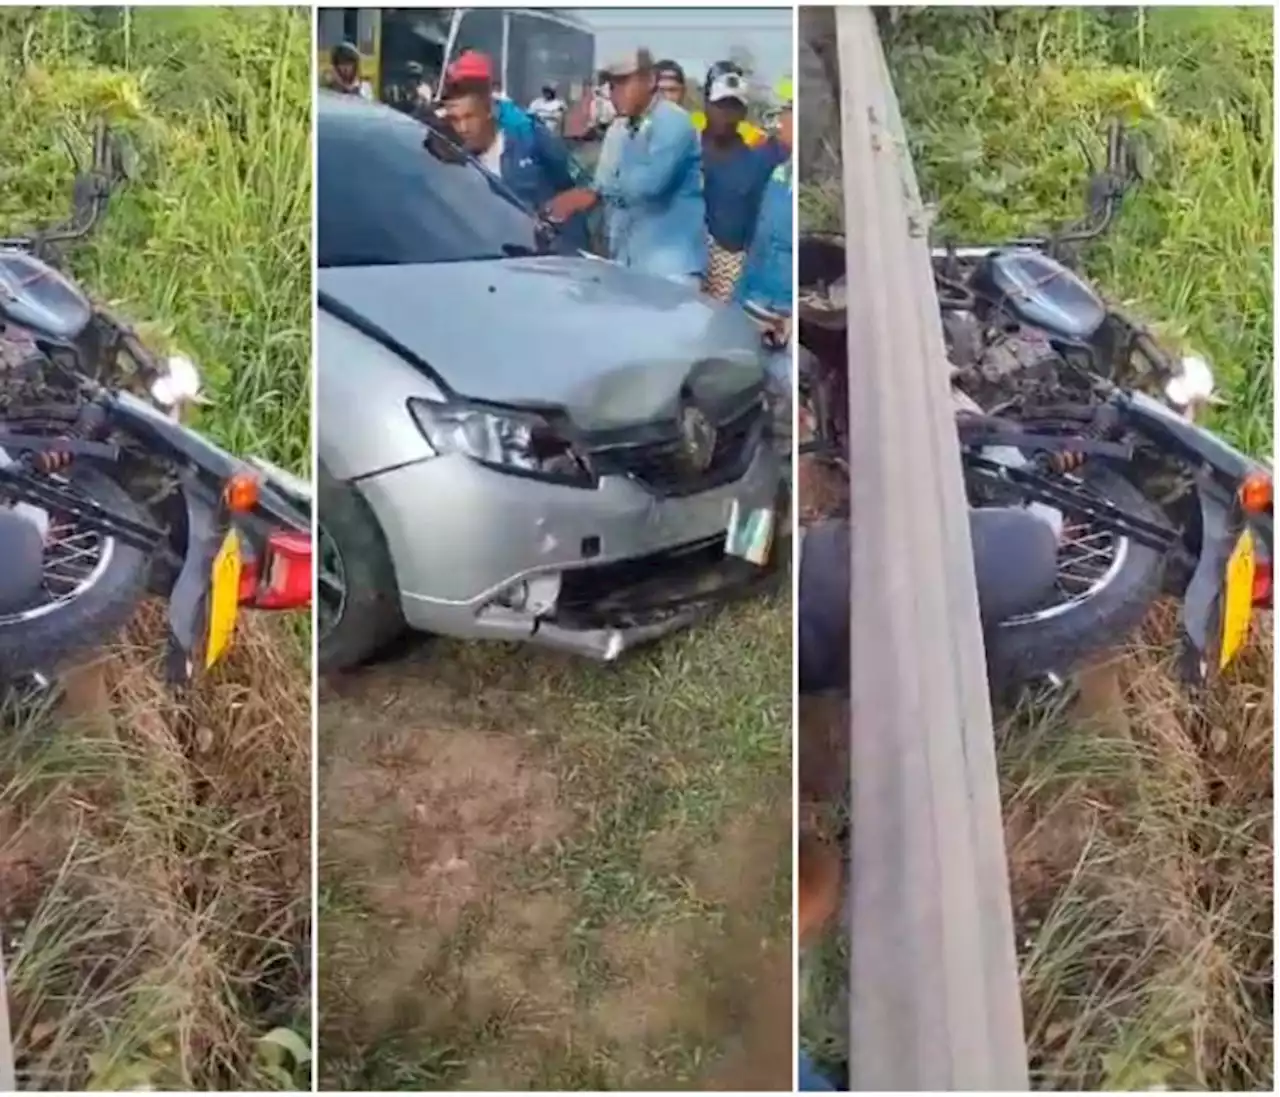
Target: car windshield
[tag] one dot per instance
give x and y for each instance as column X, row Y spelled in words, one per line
column 391, row 191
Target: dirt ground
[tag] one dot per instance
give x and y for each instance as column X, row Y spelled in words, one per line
column 537, row 873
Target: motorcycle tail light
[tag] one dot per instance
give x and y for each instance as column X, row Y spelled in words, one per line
column 1255, row 493
column 282, row 579
column 1262, row 589
column 241, row 492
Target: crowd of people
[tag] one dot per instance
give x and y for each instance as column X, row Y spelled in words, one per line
column 700, row 197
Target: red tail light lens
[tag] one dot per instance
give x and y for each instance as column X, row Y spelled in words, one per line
column 1262, row 590
column 282, row 579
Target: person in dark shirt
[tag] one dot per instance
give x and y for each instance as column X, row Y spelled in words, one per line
column 734, row 179
column 670, row 81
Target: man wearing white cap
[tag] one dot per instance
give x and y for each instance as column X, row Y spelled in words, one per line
column 734, row 179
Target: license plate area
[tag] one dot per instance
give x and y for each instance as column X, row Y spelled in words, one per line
column 749, row 535
column 1237, row 598
column 224, row 598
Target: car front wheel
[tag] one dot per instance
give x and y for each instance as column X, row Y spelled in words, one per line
column 357, row 599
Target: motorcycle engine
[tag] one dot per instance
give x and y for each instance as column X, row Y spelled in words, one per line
column 24, row 368
column 994, row 366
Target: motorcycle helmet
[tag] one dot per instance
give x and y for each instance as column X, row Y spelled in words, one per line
column 344, row 53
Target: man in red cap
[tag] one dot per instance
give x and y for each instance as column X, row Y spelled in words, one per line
column 533, row 162
column 473, row 68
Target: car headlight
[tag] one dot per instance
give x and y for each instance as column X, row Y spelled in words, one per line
column 178, row 383
column 1192, row 384
column 514, row 441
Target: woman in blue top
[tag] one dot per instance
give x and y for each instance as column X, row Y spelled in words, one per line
column 734, row 179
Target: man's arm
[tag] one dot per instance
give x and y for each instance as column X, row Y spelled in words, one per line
column 671, row 144
column 558, row 165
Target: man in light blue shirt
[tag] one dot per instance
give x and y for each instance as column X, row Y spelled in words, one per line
column 648, row 180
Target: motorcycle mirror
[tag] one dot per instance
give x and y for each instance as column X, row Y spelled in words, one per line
column 85, row 191
column 70, row 146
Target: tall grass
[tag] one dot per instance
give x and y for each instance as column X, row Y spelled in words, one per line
column 154, row 850
column 1000, row 108
column 209, row 251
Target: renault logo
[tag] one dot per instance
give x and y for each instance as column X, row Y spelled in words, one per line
column 697, row 439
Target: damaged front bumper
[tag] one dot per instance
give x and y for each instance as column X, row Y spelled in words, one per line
column 480, row 554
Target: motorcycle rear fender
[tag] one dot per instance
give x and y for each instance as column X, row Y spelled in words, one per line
column 188, row 600
column 207, row 523
column 1222, row 523
column 1188, row 441
column 1200, row 605
column 212, row 463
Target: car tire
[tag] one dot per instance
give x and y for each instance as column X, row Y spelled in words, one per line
column 369, row 615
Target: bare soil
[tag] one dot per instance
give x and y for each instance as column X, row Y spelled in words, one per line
column 497, row 914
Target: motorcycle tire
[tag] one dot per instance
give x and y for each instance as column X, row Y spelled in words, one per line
column 1024, row 650
column 39, row 644
column 370, row 617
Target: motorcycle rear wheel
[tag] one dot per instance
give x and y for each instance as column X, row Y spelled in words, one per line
column 1061, row 638
column 80, row 611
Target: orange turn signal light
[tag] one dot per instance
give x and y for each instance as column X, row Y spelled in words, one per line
column 1255, row 493
column 240, row 492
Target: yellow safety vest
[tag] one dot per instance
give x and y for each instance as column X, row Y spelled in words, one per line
column 752, row 135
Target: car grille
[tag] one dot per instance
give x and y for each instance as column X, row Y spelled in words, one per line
column 659, row 464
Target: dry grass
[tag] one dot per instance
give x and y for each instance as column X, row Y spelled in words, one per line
column 154, row 863
column 1142, row 867
column 154, row 854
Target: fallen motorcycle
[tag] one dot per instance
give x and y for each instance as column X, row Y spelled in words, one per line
column 125, row 498
column 1067, row 407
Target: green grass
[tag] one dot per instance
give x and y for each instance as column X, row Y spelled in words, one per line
column 154, row 890
column 210, row 251
column 1141, row 859
column 622, row 919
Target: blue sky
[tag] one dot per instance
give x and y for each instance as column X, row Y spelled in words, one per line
column 696, row 37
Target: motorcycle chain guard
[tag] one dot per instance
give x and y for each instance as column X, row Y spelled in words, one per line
column 22, row 486
column 1081, row 504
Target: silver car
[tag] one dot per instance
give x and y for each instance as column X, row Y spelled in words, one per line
column 517, row 442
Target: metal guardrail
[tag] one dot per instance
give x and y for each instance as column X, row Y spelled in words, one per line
column 8, row 1079
column 934, row 1002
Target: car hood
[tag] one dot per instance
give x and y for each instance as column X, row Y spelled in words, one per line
column 610, row 346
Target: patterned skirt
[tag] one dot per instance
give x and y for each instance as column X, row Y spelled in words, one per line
column 724, row 268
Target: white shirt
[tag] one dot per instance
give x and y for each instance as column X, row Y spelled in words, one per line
column 491, row 158
column 548, row 111
column 602, row 112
